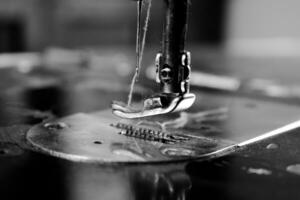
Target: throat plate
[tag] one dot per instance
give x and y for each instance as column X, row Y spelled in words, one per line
column 102, row 137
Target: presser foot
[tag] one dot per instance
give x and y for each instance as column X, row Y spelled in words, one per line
column 156, row 105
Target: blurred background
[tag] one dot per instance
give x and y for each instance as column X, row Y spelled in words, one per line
column 33, row 25
column 89, row 46
column 243, row 27
column 60, row 57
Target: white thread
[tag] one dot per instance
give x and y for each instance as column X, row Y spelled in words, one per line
column 139, row 48
column 145, row 29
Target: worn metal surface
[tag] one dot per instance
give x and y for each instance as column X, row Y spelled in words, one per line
column 105, row 138
column 90, row 138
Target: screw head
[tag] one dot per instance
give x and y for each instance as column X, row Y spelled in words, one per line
column 55, row 125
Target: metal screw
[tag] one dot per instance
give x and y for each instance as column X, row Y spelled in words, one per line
column 55, row 125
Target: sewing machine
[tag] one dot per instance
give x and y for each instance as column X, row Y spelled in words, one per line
column 225, row 138
column 158, row 131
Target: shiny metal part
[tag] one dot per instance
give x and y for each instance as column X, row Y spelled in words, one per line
column 157, row 105
column 164, row 74
column 149, row 134
column 164, row 102
column 102, row 137
column 172, row 69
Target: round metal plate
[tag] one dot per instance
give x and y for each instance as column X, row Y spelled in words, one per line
column 97, row 138
column 103, row 138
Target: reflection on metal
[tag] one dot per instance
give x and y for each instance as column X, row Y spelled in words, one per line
column 102, row 137
column 156, row 105
column 284, row 129
column 173, row 66
column 150, row 134
column 272, row 146
column 55, row 126
column 259, row 171
column 188, row 119
column 294, row 169
column 124, row 141
column 169, row 151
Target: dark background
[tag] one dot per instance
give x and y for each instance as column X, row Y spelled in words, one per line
column 33, row 25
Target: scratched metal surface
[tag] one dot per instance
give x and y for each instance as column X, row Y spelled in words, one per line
column 104, row 138
column 266, row 170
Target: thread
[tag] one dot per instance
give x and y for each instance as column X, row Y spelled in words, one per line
column 145, row 29
column 139, row 46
